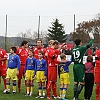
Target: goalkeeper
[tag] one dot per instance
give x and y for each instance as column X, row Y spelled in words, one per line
column 78, row 68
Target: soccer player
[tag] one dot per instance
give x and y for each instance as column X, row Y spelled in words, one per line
column 13, row 70
column 50, row 43
column 38, row 48
column 41, row 74
column 64, row 75
column 3, row 58
column 78, row 68
column 97, row 73
column 29, row 73
column 89, row 77
column 53, row 52
column 23, row 54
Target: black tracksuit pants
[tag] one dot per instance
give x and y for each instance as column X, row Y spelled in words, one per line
column 89, row 82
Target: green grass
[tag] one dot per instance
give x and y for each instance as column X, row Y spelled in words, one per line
column 20, row 96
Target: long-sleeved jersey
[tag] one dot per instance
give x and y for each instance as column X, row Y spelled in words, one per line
column 78, row 52
column 89, row 68
column 97, row 61
column 5, row 56
column 41, row 65
column 30, row 64
column 23, row 54
column 63, row 67
column 14, row 62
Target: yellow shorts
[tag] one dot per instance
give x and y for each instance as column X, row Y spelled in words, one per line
column 40, row 76
column 12, row 73
column 64, row 78
column 29, row 75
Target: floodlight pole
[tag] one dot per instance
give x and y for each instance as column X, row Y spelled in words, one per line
column 6, row 35
column 74, row 22
column 38, row 27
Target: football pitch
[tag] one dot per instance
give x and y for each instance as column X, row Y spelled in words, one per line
column 21, row 96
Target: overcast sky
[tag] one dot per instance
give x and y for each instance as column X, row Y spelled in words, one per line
column 23, row 14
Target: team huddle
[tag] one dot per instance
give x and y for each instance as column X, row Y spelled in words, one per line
column 43, row 65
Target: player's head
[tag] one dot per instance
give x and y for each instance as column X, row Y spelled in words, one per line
column 13, row 50
column 89, row 58
column 55, row 44
column 39, row 43
column 78, row 41
column 40, row 54
column 24, row 44
column 30, row 53
column 63, row 56
column 50, row 43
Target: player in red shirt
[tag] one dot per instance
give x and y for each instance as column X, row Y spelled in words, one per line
column 97, row 73
column 23, row 54
column 3, row 58
column 37, row 48
column 52, row 56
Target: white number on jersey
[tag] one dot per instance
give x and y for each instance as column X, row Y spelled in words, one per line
column 76, row 54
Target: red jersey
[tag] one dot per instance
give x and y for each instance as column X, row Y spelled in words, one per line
column 36, row 50
column 89, row 68
column 97, row 62
column 52, row 56
column 23, row 54
column 3, row 55
column 89, row 52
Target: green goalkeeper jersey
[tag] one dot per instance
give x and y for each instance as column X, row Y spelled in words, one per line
column 78, row 52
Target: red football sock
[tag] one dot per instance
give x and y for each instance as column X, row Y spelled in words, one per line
column 19, row 85
column 49, row 88
column 97, row 92
column 54, row 89
column 4, row 80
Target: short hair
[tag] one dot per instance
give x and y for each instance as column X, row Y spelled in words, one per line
column 62, row 56
column 55, row 42
column 24, row 42
column 31, row 51
column 51, row 42
column 77, row 41
column 40, row 51
column 38, row 40
column 14, row 49
column 90, row 58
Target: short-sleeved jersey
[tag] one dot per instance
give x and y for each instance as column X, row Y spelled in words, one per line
column 30, row 64
column 3, row 54
column 52, row 56
column 79, row 51
column 14, row 62
column 23, row 54
column 36, row 50
column 41, row 65
column 63, row 67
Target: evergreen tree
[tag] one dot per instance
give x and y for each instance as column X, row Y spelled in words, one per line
column 57, row 32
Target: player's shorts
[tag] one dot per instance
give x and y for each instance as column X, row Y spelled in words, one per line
column 52, row 73
column 12, row 73
column 64, row 78
column 29, row 75
column 40, row 76
column 21, row 71
column 79, row 74
column 3, row 72
column 97, row 77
